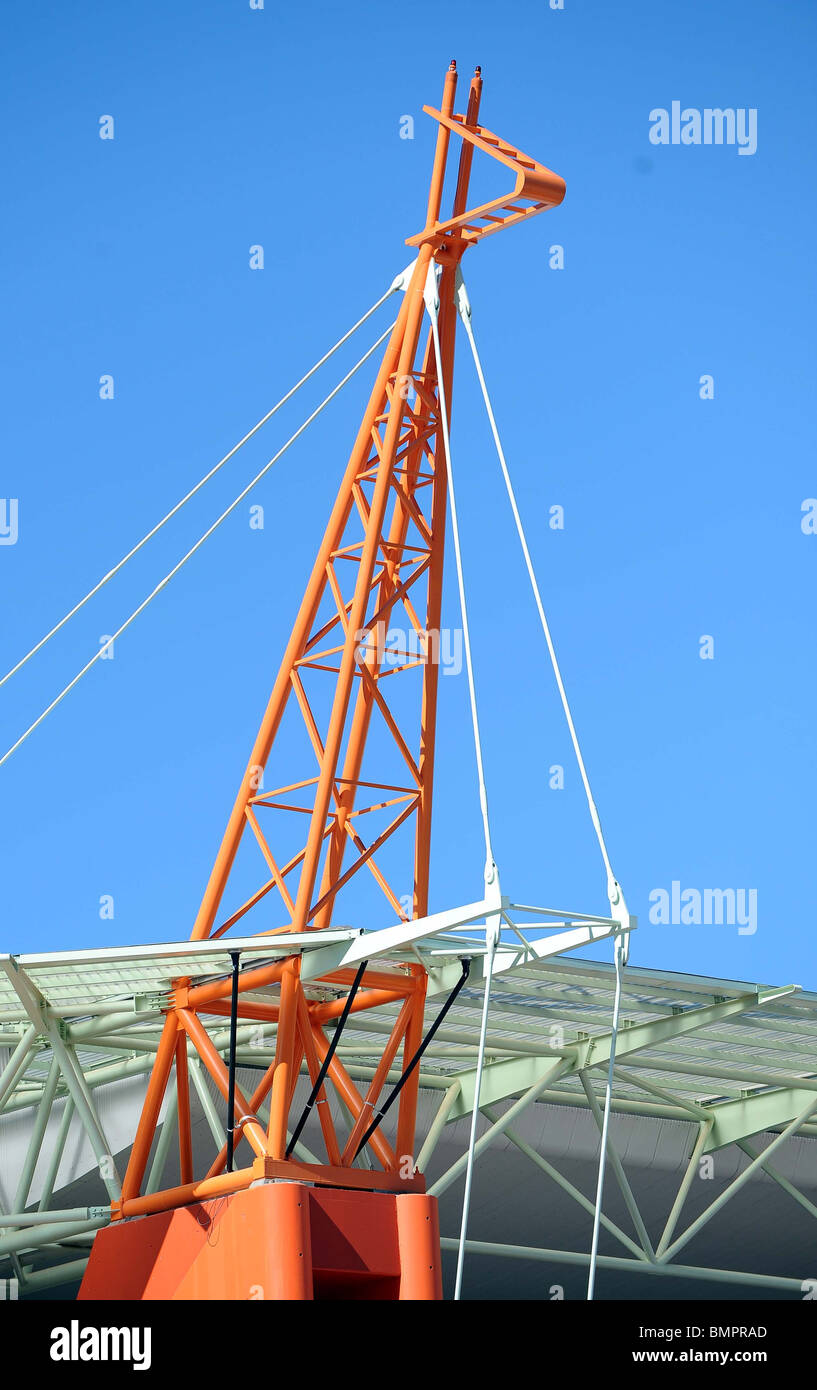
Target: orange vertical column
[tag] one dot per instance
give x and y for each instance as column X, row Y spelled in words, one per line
column 428, row 717
column 418, row 1238
column 282, row 1076
column 149, row 1118
column 183, row 1109
column 288, row 1272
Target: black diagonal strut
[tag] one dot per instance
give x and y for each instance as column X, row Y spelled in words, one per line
column 392, row 1097
column 321, row 1077
column 234, row 957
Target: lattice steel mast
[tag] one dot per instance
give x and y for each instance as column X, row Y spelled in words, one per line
column 382, row 552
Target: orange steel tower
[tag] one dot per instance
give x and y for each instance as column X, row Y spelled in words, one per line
column 382, row 553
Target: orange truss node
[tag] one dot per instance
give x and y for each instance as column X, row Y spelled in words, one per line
column 358, row 799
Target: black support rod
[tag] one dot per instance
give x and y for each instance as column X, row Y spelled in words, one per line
column 415, row 1061
column 234, row 957
column 321, row 1077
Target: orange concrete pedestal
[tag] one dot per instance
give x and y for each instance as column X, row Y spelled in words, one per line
column 279, row 1240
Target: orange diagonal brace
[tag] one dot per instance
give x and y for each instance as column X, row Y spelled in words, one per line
column 183, row 1096
column 207, row 1052
column 376, row 1083
column 259, row 1094
column 149, row 1118
column 282, row 1077
column 408, row 1096
column 353, row 1100
column 313, row 1066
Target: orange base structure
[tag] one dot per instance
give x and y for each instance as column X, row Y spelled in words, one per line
column 279, row 1240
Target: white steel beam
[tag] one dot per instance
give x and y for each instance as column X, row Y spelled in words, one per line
column 280, row 945
column 737, row 1183
column 584, row 1202
column 778, row 1178
column 37, row 1136
column 497, row 1127
column 326, row 959
column 734, row 1120
column 16, row 1064
column 55, row 1157
column 686, row 1183
column 578, row 1257
column 512, row 1075
column 35, row 1005
column 441, row 980
column 621, row 1176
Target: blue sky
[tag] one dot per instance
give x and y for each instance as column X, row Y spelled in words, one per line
column 281, row 127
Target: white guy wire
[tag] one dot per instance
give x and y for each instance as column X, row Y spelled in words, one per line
column 472, row 1139
column 464, row 307
column 605, row 1125
column 483, row 795
column 465, row 314
column 492, row 928
column 161, row 585
column 199, row 485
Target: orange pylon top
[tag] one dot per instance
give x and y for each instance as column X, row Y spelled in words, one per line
column 536, row 188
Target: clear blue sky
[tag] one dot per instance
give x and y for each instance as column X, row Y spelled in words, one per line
column 235, row 127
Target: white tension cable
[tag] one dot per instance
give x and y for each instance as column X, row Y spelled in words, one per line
column 492, row 925
column 162, row 583
column 617, row 904
column 395, row 285
column 613, row 889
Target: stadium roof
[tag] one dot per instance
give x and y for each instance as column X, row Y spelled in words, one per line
column 703, row 1041
column 732, row 1059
